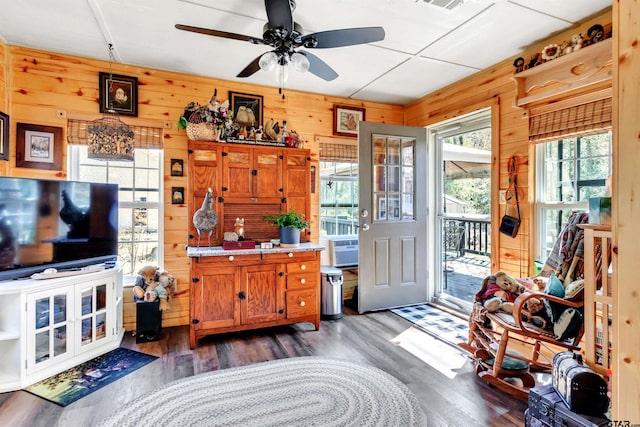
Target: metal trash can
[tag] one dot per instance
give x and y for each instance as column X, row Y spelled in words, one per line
column 331, row 293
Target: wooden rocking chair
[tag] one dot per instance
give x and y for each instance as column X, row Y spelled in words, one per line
column 498, row 340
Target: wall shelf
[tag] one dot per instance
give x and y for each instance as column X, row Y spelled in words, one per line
column 576, row 70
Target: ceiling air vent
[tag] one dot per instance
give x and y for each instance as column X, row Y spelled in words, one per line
column 447, row 4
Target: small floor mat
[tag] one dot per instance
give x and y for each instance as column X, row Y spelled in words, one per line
column 79, row 381
column 438, row 323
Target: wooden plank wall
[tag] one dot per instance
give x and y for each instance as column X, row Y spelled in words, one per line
column 43, row 84
column 496, row 84
column 626, row 212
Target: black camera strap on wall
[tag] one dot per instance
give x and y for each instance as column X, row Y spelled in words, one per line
column 509, row 224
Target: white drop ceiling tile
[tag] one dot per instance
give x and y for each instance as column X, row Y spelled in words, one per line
column 47, row 26
column 493, row 36
column 567, row 10
column 413, row 79
column 409, row 25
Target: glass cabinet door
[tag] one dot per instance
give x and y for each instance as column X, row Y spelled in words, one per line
column 93, row 319
column 49, row 326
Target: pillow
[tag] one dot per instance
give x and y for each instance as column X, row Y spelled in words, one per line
column 574, row 290
column 568, row 324
column 555, row 288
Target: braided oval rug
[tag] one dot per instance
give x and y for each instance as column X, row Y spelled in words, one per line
column 301, row 391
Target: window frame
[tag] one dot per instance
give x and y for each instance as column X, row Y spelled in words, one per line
column 353, row 179
column 563, row 207
column 74, row 166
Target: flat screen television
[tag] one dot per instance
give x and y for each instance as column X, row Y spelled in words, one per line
column 55, row 224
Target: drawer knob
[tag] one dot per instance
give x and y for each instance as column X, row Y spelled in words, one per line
column 303, row 267
column 302, row 304
column 303, row 281
column 230, row 257
column 290, row 254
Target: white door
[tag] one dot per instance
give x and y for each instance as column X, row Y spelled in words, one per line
column 393, row 216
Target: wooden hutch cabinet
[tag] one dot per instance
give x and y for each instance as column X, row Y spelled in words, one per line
column 233, row 290
column 248, row 181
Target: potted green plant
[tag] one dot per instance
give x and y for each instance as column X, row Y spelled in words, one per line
column 290, row 224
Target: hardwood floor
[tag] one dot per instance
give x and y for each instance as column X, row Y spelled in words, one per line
column 461, row 401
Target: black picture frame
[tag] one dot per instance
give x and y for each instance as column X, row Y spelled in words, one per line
column 254, row 102
column 177, row 167
column 4, row 136
column 177, row 195
column 119, row 93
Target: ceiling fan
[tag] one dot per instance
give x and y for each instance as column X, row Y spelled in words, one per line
column 285, row 35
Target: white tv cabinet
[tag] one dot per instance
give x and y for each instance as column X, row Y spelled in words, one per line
column 47, row 326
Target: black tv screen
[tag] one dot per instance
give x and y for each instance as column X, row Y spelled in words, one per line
column 55, row 224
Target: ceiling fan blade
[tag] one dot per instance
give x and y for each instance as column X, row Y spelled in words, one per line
column 279, row 14
column 318, row 67
column 251, row 68
column 345, row 37
column 216, row 33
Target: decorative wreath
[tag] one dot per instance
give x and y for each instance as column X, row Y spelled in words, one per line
column 551, row 51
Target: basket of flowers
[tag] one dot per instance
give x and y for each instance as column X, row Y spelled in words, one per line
column 210, row 122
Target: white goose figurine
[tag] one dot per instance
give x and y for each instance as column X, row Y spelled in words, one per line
column 205, row 218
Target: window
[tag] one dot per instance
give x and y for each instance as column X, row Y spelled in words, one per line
column 140, row 201
column 569, row 172
column 338, row 198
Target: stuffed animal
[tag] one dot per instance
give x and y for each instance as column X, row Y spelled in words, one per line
column 145, row 278
column 152, row 284
column 498, row 292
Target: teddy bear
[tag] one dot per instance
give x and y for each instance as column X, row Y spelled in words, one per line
column 498, row 292
column 152, row 284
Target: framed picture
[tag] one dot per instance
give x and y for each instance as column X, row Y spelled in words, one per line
column 177, row 195
column 346, row 119
column 177, row 166
column 246, row 108
column 4, row 136
column 38, row 147
column 119, row 93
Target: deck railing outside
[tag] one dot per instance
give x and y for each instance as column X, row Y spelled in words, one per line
column 464, row 234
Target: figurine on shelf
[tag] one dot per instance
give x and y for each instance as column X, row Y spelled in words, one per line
column 205, row 218
column 239, row 228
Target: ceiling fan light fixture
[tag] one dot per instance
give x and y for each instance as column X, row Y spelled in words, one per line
column 268, row 61
column 300, row 62
column 282, row 74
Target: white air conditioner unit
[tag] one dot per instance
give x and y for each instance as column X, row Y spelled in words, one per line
column 343, row 251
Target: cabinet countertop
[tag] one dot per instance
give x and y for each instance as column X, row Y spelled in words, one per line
column 193, row 251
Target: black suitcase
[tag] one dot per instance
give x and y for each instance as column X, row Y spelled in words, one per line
column 531, row 421
column 583, row 390
column 547, row 409
column 542, row 404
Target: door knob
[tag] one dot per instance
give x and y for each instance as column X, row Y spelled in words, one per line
column 364, row 227
column 364, row 213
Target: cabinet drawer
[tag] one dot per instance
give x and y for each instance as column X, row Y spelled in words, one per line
column 289, row 257
column 304, row 266
column 249, row 259
column 302, row 280
column 302, row 303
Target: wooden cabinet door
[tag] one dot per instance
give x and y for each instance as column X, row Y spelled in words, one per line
column 267, row 164
column 297, row 184
column 205, row 166
column 214, row 296
column 237, row 179
column 263, row 300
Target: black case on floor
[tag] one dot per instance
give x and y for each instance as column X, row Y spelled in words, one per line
column 582, row 389
column 547, row 409
column 148, row 321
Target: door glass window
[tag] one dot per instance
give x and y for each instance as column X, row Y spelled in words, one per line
column 393, row 175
